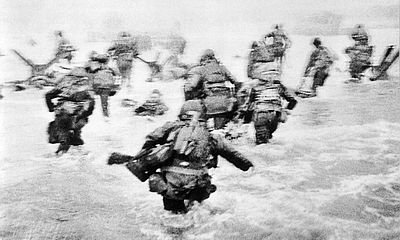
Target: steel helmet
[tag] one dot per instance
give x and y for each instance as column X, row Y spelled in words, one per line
column 191, row 106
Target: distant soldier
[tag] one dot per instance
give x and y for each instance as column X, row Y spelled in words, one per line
column 318, row 65
column 260, row 53
column 75, row 103
column 64, row 47
column 265, row 101
column 153, row 105
column 280, row 42
column 360, row 59
column 359, row 35
column 218, row 89
column 124, row 49
column 103, row 78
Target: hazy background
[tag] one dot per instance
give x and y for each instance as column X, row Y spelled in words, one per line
column 32, row 18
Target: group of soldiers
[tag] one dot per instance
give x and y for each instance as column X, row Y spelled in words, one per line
column 175, row 157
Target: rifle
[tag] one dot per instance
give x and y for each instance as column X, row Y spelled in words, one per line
column 118, row 158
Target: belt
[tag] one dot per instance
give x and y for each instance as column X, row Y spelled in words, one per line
column 186, row 171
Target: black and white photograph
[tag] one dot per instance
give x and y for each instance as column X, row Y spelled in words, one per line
column 199, row 120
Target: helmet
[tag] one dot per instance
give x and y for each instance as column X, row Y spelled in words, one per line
column 317, row 42
column 101, row 58
column 156, row 91
column 192, row 106
column 266, row 71
column 207, row 55
column 124, row 35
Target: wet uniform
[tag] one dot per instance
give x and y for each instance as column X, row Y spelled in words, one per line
column 360, row 59
column 259, row 54
column 318, row 66
column 211, row 80
column 125, row 50
column 266, row 105
column 75, row 104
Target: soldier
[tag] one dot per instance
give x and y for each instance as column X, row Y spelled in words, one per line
column 213, row 80
column 64, row 47
column 182, row 151
column 75, row 104
column 359, row 35
column 260, row 53
column 152, row 106
column 102, row 77
column 124, row 50
column 318, row 65
column 280, row 42
column 265, row 101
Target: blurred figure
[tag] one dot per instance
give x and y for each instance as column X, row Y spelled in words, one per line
column 124, row 50
column 181, row 150
column 103, row 79
column 280, row 42
column 75, row 103
column 265, row 101
column 260, row 53
column 318, row 65
column 360, row 35
column 152, row 106
column 212, row 80
column 64, row 47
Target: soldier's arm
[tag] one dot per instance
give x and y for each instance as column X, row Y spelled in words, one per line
column 288, row 96
column 50, row 95
column 222, row 148
column 159, row 135
column 193, row 82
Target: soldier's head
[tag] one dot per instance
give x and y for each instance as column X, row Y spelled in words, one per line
column 267, row 72
column 254, row 45
column 192, row 109
column 208, row 55
column 124, row 35
column 155, row 95
column 316, row 42
column 58, row 33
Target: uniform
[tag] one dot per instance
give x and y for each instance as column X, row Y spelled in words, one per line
column 184, row 166
column 212, row 79
column 318, row 66
column 360, row 59
column 124, row 50
column 265, row 102
column 152, row 106
column 102, row 78
column 260, row 53
column 75, row 104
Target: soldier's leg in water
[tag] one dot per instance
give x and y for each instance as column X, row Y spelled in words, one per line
column 174, row 205
column 64, row 123
column 272, row 123
column 260, row 120
column 104, row 101
column 76, row 139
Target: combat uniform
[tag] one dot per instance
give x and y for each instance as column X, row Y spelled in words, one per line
column 152, row 106
column 75, row 104
column 360, row 59
column 260, row 53
column 265, row 102
column 318, row 66
column 124, row 50
column 102, row 78
column 184, row 172
column 213, row 79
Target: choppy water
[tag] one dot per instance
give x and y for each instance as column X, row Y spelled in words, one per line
column 331, row 172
